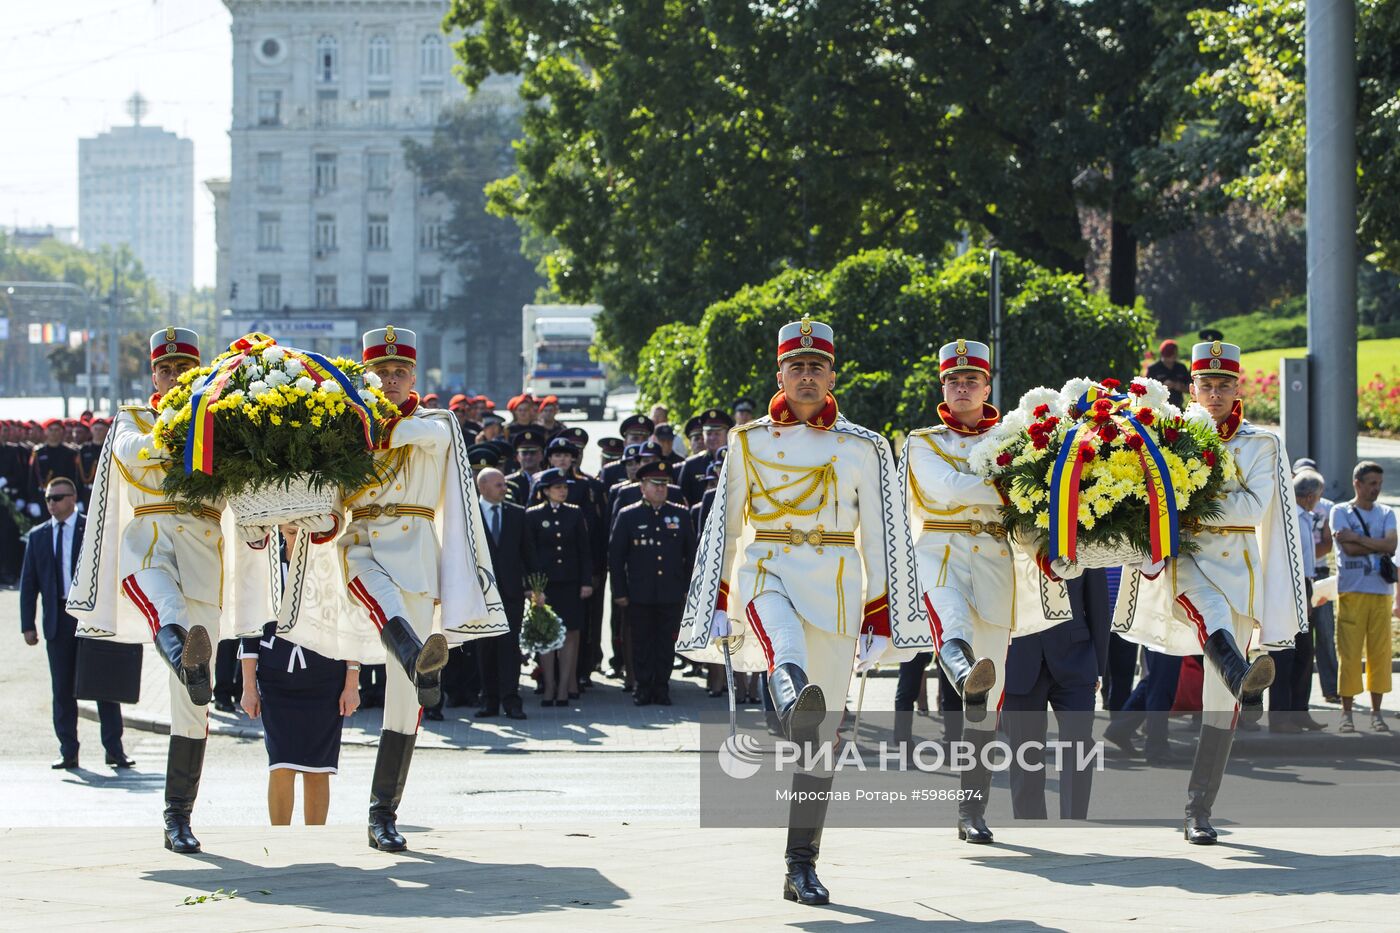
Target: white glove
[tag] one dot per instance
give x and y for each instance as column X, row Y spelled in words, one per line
column 719, row 624
column 3, row 482
column 253, row 534
column 868, row 651
column 34, row 510
column 1065, row 570
column 316, row 524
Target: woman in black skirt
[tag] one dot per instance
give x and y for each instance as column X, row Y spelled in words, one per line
column 558, row 535
column 302, row 697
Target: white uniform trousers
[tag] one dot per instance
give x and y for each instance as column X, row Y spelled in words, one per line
column 382, row 600
column 1206, row 610
column 158, row 598
column 950, row 616
column 825, row 657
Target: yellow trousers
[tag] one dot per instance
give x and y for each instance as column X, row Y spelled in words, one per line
column 1363, row 625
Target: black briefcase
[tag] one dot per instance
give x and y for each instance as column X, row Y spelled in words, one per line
column 108, row 671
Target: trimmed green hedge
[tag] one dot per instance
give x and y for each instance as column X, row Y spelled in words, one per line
column 891, row 312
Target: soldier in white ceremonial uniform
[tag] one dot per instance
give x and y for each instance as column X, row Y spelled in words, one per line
column 964, row 564
column 392, row 559
column 826, row 567
column 154, row 568
column 1247, row 573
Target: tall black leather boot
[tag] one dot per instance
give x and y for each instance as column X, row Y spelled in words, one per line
column 183, row 767
column 806, row 816
column 972, row 676
column 188, row 654
column 976, row 785
column 1207, row 771
column 801, row 706
column 386, row 790
column 422, row 661
column 1247, row 682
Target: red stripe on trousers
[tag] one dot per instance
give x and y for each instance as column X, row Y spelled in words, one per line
column 376, row 614
column 763, row 641
column 1195, row 616
column 143, row 604
column 935, row 624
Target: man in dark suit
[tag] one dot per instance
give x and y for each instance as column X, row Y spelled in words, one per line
column 49, row 562
column 1059, row 667
column 499, row 656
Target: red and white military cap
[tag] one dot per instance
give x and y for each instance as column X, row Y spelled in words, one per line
column 180, row 342
column 964, row 356
column 806, row 336
column 1215, row 358
column 390, row 343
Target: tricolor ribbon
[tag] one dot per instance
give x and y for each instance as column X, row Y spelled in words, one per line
column 1069, row 466
column 199, row 441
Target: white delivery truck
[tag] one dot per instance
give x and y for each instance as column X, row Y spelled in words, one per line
column 557, row 339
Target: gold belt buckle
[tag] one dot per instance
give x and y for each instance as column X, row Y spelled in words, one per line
column 375, row 511
column 187, row 508
column 975, row 527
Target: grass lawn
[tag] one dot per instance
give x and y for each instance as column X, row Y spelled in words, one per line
column 1372, row 356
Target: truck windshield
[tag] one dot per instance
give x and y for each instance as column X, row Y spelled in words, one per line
column 547, row 357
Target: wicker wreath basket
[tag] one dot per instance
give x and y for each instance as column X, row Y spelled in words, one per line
column 1099, row 556
column 275, row 505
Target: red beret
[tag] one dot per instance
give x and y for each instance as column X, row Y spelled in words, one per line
column 51, row 422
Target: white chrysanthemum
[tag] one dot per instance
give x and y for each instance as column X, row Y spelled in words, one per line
column 1042, row 395
column 274, row 354
column 167, row 415
column 372, row 380
column 332, row 387
column 367, row 395
column 293, row 366
column 1195, row 414
column 1156, row 395
column 305, row 384
column 1015, row 421
column 259, row 388
column 277, row 378
column 1074, row 389
column 1168, row 410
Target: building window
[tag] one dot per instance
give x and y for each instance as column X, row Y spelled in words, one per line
column 325, row 292
column 432, row 106
column 325, row 232
column 269, row 108
column 377, row 170
column 327, row 59
column 377, row 232
column 379, row 58
column 326, row 104
column 269, row 171
column 379, row 292
column 325, row 172
column 269, row 231
column 269, row 292
column 430, row 292
column 430, row 235
column 430, row 57
column 377, row 108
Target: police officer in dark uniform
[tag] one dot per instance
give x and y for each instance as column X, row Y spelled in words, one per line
column 650, row 556
column 529, row 451
column 53, row 459
column 88, row 451
column 665, row 436
column 625, row 494
column 631, row 462
column 558, row 534
column 590, row 657
column 635, row 429
column 715, row 425
column 609, row 452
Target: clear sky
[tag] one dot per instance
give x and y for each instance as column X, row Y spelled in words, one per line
column 67, row 68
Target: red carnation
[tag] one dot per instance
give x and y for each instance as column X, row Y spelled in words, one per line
column 1209, row 457
column 1171, row 434
column 1111, row 384
column 1086, row 451
column 1051, row 422
column 1041, row 411
column 1108, row 432
column 1103, row 404
column 1004, row 458
column 1137, row 388
column 1101, row 416
column 1134, row 442
column 1145, row 415
column 1035, row 429
column 1074, row 411
column 1040, row 442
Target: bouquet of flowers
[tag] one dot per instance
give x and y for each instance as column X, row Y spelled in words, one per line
column 541, row 632
column 1099, row 477
column 275, row 430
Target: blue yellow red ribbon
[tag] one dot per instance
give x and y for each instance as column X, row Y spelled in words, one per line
column 1162, row 524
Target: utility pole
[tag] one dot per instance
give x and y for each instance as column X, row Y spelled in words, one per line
column 1330, row 48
